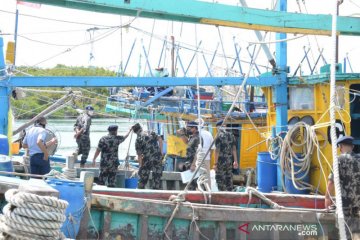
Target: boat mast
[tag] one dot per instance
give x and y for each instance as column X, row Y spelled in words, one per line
column 281, row 89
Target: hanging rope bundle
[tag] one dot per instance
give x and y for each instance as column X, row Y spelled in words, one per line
column 30, row 216
column 293, row 165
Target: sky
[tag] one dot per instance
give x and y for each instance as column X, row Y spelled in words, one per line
column 48, row 36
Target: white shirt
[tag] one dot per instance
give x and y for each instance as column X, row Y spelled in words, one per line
column 206, row 140
column 31, row 138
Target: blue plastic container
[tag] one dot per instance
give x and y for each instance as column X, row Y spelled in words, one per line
column 74, row 193
column 131, row 182
column 266, row 172
column 6, row 165
column 289, row 186
column 4, row 145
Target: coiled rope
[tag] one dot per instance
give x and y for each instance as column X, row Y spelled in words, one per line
column 30, row 216
column 293, row 166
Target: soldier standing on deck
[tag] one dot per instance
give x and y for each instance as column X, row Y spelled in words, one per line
column 149, row 151
column 109, row 162
column 192, row 145
column 349, row 173
column 82, row 134
column 225, row 158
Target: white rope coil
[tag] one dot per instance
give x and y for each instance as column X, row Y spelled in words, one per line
column 30, row 216
column 294, row 167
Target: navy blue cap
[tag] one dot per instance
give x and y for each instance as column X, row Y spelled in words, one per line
column 192, row 124
column 89, row 107
column 112, row 128
column 136, row 127
column 345, row 140
column 220, row 122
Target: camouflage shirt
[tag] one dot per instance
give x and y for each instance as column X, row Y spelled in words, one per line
column 147, row 145
column 349, row 172
column 192, row 147
column 83, row 121
column 109, row 146
column 224, row 143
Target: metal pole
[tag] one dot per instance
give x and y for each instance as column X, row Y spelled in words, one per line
column 281, row 89
column 16, row 33
column 4, row 93
column 172, row 56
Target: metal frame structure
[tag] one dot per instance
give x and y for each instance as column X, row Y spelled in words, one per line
column 195, row 12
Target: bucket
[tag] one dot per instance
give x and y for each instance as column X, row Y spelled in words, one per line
column 289, row 186
column 131, row 182
column 4, row 145
column 6, row 165
column 73, row 193
column 120, row 180
column 266, row 172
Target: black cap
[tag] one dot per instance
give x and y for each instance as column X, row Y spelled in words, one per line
column 112, row 128
column 136, row 127
column 89, row 108
column 345, row 140
column 219, row 123
column 192, row 124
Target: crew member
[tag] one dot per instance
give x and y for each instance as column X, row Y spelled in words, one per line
column 109, row 162
column 148, row 147
column 36, row 146
column 225, row 158
column 82, row 134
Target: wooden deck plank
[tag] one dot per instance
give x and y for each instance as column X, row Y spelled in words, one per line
column 144, row 227
column 222, row 231
column 105, row 233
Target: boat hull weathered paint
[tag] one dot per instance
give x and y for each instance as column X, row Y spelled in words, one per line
column 135, row 218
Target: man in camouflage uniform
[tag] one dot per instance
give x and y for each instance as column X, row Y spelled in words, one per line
column 82, row 134
column 109, row 162
column 225, row 158
column 149, row 151
column 192, row 139
column 349, row 173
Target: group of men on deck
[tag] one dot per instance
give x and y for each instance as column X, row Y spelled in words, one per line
column 148, row 147
column 200, row 144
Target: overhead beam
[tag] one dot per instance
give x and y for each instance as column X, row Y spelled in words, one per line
column 217, row 14
column 75, row 81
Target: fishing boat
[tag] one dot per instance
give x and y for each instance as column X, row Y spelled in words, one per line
column 293, row 104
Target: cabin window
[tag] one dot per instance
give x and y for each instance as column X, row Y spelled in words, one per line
column 301, row 98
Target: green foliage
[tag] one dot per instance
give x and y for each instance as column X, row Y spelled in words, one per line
column 35, row 102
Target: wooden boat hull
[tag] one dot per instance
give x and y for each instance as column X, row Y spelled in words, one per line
column 136, row 218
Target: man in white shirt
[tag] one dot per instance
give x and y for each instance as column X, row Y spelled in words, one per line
column 35, row 142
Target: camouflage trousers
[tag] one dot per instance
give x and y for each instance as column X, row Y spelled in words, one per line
column 144, row 172
column 224, row 175
column 83, row 149
column 108, row 171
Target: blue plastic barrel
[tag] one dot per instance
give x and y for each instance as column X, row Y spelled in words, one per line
column 266, row 172
column 4, row 145
column 73, row 192
column 6, row 165
column 131, row 182
column 289, row 186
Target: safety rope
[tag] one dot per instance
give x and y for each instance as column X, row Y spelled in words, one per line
column 30, row 216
